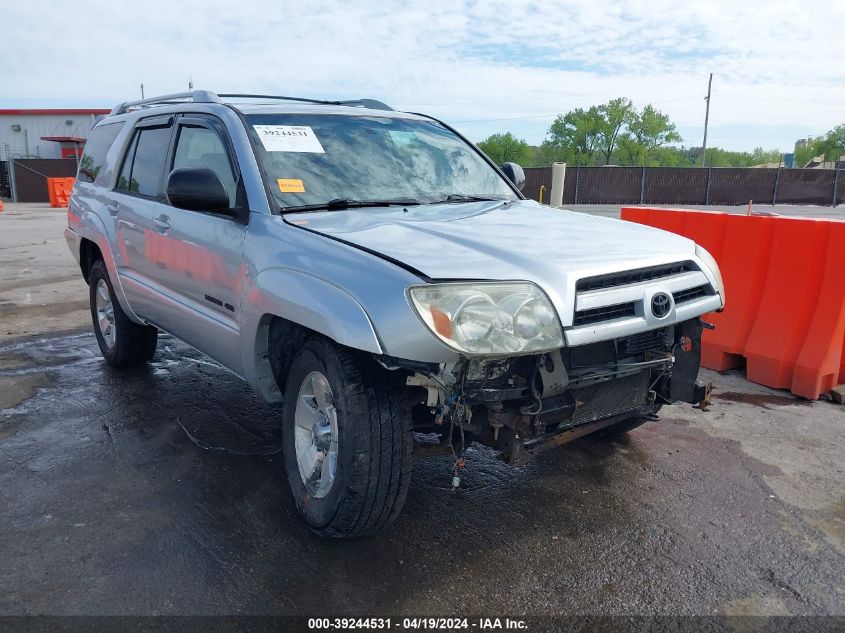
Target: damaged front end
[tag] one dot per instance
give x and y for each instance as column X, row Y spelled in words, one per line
column 524, row 405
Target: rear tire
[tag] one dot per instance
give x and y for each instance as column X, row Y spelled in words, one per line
column 123, row 343
column 366, row 418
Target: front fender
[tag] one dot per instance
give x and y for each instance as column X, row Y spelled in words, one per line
column 307, row 300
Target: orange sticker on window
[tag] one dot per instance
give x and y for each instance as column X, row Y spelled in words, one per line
column 291, row 185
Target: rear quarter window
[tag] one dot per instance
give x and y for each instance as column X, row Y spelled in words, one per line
column 99, row 142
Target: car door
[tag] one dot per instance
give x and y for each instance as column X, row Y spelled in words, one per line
column 135, row 199
column 195, row 258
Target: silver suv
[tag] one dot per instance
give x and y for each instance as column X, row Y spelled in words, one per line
column 381, row 279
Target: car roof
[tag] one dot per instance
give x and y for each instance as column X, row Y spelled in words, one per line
column 248, row 104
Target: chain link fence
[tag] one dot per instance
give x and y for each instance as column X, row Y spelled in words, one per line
column 691, row 185
column 5, row 188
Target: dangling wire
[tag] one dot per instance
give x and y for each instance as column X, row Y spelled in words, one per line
column 538, row 401
column 459, row 405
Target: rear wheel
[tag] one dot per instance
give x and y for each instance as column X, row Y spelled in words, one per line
column 346, row 439
column 123, row 343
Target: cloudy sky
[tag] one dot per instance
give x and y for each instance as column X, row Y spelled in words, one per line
column 484, row 66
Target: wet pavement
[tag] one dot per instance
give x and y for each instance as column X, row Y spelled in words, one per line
column 159, row 491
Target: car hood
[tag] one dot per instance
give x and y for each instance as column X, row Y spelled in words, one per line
column 522, row 240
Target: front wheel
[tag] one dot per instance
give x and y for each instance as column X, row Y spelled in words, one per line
column 347, row 441
column 122, row 342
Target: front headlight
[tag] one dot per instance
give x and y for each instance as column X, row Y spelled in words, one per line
column 708, row 259
column 489, row 318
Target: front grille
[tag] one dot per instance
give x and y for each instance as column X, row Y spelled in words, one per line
column 624, row 278
column 590, row 355
column 610, row 398
column 642, row 342
column 690, row 294
column 605, row 313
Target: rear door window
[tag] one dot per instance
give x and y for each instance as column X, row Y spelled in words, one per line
column 150, row 156
column 143, row 167
column 99, row 142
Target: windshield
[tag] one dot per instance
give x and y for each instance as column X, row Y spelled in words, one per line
column 315, row 158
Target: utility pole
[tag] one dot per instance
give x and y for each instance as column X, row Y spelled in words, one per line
column 706, row 121
column 142, row 91
column 190, row 83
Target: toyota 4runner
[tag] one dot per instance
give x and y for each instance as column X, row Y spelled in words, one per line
column 380, row 278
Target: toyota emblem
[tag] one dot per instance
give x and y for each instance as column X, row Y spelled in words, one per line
column 661, row 304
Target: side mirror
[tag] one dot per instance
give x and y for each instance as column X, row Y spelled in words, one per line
column 197, row 189
column 515, row 174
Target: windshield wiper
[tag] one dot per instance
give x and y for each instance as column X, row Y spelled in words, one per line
column 339, row 204
column 460, row 197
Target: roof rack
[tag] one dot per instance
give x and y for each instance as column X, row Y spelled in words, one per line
column 372, row 104
column 196, row 96
column 206, row 96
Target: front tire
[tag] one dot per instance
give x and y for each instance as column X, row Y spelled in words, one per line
column 346, row 439
column 123, row 343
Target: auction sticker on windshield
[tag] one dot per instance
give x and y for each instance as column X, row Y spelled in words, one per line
column 289, row 138
column 290, row 185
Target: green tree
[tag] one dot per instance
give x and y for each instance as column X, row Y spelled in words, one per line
column 504, row 148
column 762, row 156
column 670, row 157
column 614, row 115
column 832, row 145
column 807, row 151
column 648, row 131
column 591, row 136
column 574, row 137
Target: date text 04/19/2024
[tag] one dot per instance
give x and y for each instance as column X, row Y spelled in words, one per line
column 416, row 624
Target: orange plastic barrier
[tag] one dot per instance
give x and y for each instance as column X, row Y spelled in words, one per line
column 1, row 206
column 785, row 289
column 59, row 190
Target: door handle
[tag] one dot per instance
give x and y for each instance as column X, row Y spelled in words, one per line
column 161, row 224
column 113, row 209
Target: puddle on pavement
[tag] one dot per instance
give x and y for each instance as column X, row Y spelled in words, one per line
column 22, row 358
column 33, row 311
column 17, row 389
column 13, row 361
column 763, row 400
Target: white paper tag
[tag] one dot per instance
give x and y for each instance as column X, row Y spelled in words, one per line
column 289, row 138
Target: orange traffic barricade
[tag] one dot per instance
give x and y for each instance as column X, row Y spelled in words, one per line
column 59, row 190
column 784, row 277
